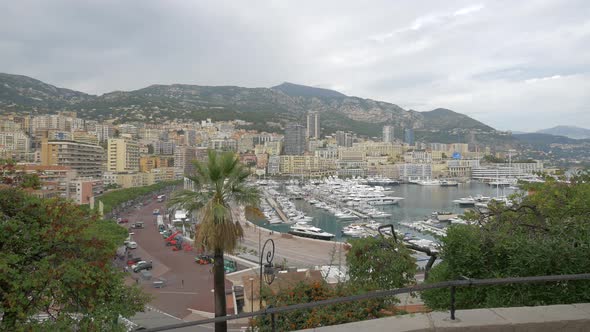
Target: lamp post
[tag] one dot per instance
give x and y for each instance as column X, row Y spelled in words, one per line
column 267, row 268
column 251, row 294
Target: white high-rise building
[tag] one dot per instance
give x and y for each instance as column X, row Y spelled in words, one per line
column 313, row 125
column 388, row 134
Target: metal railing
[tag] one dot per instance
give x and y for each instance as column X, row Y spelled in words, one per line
column 384, row 293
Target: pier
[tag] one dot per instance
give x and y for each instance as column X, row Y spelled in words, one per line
column 277, row 208
column 340, row 205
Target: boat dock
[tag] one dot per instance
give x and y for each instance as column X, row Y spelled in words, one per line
column 277, row 208
column 340, row 205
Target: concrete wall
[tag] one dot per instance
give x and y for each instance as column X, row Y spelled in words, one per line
column 562, row 318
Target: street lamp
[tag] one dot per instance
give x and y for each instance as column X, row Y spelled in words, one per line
column 251, row 294
column 267, row 268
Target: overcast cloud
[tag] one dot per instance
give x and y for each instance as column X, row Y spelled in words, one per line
column 520, row 65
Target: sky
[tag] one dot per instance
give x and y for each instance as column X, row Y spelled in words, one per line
column 514, row 65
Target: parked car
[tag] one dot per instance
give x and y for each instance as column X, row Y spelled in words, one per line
column 143, row 265
column 133, row 261
column 137, row 264
column 138, row 225
column 131, row 245
column 122, row 220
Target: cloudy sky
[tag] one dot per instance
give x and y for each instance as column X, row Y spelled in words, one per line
column 519, row 65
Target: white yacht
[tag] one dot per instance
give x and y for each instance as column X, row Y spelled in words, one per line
column 373, row 225
column 449, row 183
column 354, row 231
column 306, row 230
column 429, row 182
column 379, row 214
column 346, row 215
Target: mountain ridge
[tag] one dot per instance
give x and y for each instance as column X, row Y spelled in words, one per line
column 284, row 103
column 573, row 132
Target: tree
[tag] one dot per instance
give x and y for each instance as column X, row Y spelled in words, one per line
column 219, row 183
column 373, row 264
column 544, row 233
column 9, row 175
column 57, row 259
column 303, row 292
column 380, row 263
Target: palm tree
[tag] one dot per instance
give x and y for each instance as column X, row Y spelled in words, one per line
column 218, row 184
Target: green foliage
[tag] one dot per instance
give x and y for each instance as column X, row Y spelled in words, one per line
column 56, row 258
column 493, row 159
column 373, row 264
column 380, row 263
column 546, row 233
column 320, row 316
column 115, row 198
column 220, row 181
column 10, row 176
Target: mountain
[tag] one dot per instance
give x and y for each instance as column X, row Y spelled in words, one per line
column 28, row 92
column 444, row 119
column 296, row 90
column 567, row 131
column 267, row 108
column 544, row 139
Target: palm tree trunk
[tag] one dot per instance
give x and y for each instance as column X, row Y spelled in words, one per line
column 219, row 286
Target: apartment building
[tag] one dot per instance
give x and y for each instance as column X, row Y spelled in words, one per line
column 122, row 155
column 16, row 142
column 184, row 156
column 85, row 158
column 307, row 165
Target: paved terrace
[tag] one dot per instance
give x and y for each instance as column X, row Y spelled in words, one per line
column 562, row 318
column 298, row 251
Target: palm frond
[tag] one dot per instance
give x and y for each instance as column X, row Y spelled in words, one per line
column 218, row 184
column 190, row 201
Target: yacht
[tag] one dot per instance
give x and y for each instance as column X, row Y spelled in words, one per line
column 373, row 225
column 306, row 230
column 470, row 201
column 379, row 214
column 346, row 215
column 448, row 183
column 354, row 231
column 380, row 181
column 429, row 182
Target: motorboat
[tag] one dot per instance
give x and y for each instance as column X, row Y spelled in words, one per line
column 354, row 231
column 379, row 214
column 448, row 183
column 306, row 230
column 346, row 215
column 429, row 182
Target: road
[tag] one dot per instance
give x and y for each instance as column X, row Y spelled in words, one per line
column 188, row 294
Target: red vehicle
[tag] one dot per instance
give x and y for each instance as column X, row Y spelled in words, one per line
column 133, row 261
column 122, row 220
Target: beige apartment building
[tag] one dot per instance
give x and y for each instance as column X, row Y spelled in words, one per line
column 122, row 155
column 306, row 165
column 85, row 158
column 130, row 180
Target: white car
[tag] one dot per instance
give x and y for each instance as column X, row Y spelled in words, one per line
column 131, row 245
column 137, row 264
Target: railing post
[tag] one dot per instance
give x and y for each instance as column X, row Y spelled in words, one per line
column 452, row 302
column 272, row 322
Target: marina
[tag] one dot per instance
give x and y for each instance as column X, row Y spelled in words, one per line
column 359, row 210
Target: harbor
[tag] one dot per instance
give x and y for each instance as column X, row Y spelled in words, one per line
column 410, row 211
